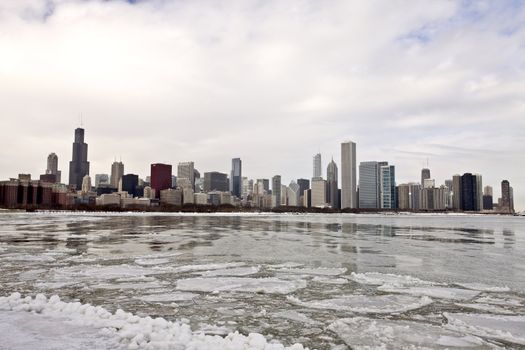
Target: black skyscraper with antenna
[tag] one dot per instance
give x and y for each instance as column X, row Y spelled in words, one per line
column 79, row 165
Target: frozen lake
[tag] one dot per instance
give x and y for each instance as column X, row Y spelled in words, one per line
column 324, row 281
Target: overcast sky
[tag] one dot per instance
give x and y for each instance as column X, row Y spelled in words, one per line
column 272, row 82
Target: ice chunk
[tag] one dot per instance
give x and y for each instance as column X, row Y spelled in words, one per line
column 150, row 262
column 236, row 271
column 321, row 271
column 506, row 328
column 434, row 292
column 365, row 333
column 381, row 304
column 486, row 308
column 329, row 280
column 240, row 284
column 168, row 297
column 378, row 279
column 204, row 267
column 484, row 287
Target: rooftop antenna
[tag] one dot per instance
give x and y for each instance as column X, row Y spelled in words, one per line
column 81, row 123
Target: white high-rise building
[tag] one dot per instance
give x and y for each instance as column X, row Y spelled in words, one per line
column 86, row 184
column 294, row 194
column 348, row 175
column 117, row 171
column 318, row 193
column 318, row 171
column 186, row 174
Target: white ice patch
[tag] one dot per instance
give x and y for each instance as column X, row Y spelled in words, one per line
column 238, row 284
column 506, row 328
column 106, row 272
column 483, row 287
column 381, row 304
column 434, row 292
column 151, row 262
column 236, row 271
column 168, row 297
column 328, row 280
column 205, row 267
column 486, row 308
column 320, row 271
column 378, row 279
column 72, row 320
column 364, row 333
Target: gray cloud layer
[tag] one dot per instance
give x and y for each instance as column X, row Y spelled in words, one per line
column 270, row 82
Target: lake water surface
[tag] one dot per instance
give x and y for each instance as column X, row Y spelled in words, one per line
column 325, row 281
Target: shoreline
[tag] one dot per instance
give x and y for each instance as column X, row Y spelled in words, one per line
column 227, row 209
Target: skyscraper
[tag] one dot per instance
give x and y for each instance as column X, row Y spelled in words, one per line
column 236, row 178
column 160, row 177
column 215, row 181
column 130, row 182
column 388, row 187
column 488, row 201
column 425, row 174
column 318, row 192
column 369, row 185
column 506, row 204
column 117, row 170
column 469, row 192
column 332, row 190
column 348, row 175
column 276, row 190
column 186, row 175
column 101, row 179
column 79, row 165
column 457, row 193
column 52, row 166
column 86, row 184
column 318, row 171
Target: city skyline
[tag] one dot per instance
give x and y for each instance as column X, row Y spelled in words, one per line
column 286, row 93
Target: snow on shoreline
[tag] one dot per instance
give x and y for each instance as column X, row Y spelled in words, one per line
column 134, row 332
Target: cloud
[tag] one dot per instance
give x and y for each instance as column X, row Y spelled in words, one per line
column 270, row 82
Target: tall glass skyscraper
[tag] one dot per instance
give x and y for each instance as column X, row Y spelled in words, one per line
column 318, row 171
column 388, row 187
column 236, row 177
column 332, row 194
column 369, row 185
column 79, row 165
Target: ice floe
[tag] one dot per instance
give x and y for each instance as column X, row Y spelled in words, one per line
column 483, row 287
column 235, row 271
column 105, row 328
column 365, row 333
column 151, row 262
column 205, row 267
column 500, row 327
column 269, row 285
column 321, row 271
column 434, row 292
column 378, row 279
column 486, row 308
column 168, row 297
column 381, row 304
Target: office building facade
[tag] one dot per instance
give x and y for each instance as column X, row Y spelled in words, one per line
column 348, row 175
